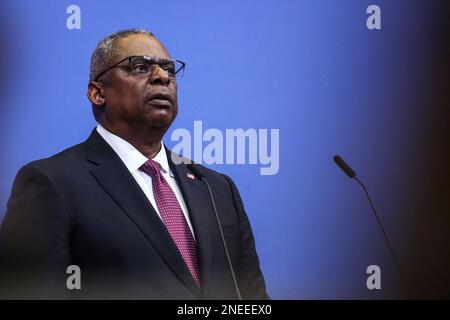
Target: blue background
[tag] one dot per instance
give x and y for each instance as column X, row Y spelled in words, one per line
column 311, row 69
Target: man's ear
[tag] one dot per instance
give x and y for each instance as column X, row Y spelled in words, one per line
column 96, row 93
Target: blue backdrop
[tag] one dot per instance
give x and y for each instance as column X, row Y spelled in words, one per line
column 311, row 69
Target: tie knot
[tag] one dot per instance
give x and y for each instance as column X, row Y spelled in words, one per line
column 152, row 168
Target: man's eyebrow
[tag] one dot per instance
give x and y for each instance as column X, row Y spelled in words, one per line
column 157, row 58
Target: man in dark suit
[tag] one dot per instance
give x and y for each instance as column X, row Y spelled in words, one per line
column 120, row 206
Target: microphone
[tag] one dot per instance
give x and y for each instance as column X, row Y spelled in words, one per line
column 194, row 169
column 344, row 166
column 352, row 174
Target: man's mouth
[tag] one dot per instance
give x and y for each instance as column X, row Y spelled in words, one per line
column 161, row 99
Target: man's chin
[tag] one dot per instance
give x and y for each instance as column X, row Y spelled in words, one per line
column 161, row 123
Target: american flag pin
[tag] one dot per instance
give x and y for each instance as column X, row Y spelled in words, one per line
column 190, row 176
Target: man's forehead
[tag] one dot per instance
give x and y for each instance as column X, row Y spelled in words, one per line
column 141, row 45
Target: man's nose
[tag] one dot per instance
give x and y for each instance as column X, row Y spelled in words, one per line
column 159, row 76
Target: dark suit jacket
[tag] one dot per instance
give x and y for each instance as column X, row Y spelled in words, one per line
column 83, row 207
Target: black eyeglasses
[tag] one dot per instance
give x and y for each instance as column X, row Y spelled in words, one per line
column 145, row 66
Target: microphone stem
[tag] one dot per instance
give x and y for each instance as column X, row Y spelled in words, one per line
column 384, row 234
column 223, row 239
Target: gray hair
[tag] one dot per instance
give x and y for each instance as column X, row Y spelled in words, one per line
column 106, row 50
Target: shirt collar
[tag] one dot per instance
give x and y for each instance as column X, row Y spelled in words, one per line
column 132, row 157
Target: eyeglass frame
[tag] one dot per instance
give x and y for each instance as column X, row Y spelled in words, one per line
column 183, row 65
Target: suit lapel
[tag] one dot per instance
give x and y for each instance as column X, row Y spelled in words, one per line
column 195, row 194
column 112, row 174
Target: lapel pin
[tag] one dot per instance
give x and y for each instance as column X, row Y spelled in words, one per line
column 190, row 176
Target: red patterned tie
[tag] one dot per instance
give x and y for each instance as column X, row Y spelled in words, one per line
column 173, row 218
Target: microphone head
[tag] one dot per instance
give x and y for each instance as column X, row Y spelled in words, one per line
column 344, row 166
column 196, row 171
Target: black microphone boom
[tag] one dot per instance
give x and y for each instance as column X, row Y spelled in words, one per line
column 352, row 174
column 201, row 177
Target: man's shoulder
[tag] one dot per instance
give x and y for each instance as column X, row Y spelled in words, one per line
column 69, row 158
column 66, row 159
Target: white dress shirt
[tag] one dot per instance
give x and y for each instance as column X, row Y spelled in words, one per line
column 133, row 160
